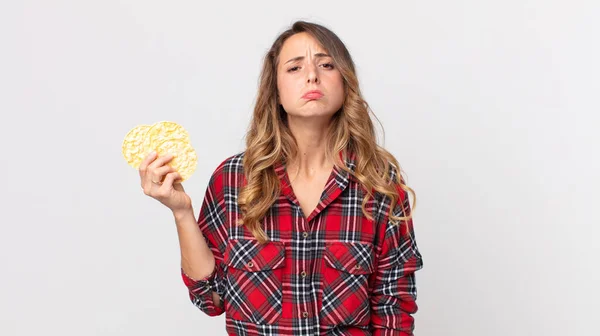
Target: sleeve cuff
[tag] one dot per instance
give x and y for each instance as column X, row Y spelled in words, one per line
column 200, row 292
column 199, row 285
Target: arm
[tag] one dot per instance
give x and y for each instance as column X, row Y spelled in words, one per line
column 202, row 243
column 393, row 299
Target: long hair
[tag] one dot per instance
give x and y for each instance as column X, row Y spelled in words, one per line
column 269, row 140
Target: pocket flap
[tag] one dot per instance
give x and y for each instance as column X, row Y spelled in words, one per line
column 249, row 255
column 350, row 257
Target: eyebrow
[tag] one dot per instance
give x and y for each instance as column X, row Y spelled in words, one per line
column 298, row 58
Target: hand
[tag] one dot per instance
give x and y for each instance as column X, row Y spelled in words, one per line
column 161, row 182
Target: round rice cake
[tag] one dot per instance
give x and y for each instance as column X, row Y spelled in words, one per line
column 184, row 159
column 135, row 146
column 165, row 130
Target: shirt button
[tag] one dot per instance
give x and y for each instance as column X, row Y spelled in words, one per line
column 305, row 234
column 250, row 264
column 357, row 266
column 303, row 274
column 305, row 314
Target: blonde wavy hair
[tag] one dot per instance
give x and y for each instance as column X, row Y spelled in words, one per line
column 269, row 140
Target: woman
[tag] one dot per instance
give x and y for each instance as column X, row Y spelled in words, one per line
column 309, row 230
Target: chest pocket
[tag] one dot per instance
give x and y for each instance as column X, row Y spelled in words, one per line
column 346, row 271
column 254, row 275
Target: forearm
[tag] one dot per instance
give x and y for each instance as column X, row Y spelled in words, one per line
column 202, row 243
column 197, row 260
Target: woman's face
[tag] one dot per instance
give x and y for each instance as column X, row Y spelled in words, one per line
column 304, row 66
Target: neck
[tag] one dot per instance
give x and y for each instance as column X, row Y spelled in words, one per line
column 311, row 137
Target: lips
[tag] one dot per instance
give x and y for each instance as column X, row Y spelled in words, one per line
column 313, row 94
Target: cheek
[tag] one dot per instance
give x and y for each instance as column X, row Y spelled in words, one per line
column 288, row 89
column 283, row 93
column 338, row 84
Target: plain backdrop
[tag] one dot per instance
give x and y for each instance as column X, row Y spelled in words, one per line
column 491, row 107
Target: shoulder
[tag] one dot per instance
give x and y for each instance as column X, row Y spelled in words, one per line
column 228, row 167
column 392, row 174
column 232, row 162
column 383, row 201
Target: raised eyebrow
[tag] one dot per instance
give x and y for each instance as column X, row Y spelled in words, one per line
column 299, row 58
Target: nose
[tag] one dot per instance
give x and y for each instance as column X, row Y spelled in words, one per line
column 312, row 76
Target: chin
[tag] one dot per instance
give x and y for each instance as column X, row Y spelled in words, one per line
column 312, row 114
column 313, row 109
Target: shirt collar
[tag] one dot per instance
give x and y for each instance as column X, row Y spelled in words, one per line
column 341, row 177
column 336, row 183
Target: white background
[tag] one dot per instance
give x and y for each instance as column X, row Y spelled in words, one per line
column 491, row 107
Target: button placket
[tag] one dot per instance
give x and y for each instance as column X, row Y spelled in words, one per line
column 304, row 305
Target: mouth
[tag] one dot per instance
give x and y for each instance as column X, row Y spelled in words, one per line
column 314, row 94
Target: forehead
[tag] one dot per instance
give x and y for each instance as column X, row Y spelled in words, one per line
column 298, row 45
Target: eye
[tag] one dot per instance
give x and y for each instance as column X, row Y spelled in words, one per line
column 293, row 69
column 328, row 65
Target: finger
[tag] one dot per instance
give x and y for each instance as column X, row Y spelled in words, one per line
column 150, row 172
column 144, row 164
column 153, row 188
column 160, row 161
column 159, row 173
column 170, row 179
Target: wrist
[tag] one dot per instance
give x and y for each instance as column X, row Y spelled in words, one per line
column 182, row 214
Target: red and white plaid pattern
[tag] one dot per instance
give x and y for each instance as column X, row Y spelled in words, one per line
column 332, row 273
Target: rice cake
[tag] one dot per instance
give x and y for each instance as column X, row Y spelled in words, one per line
column 184, row 159
column 163, row 137
column 134, row 146
column 166, row 130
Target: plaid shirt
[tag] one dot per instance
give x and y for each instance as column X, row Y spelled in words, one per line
column 334, row 272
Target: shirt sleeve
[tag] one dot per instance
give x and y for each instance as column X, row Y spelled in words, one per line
column 393, row 299
column 211, row 222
